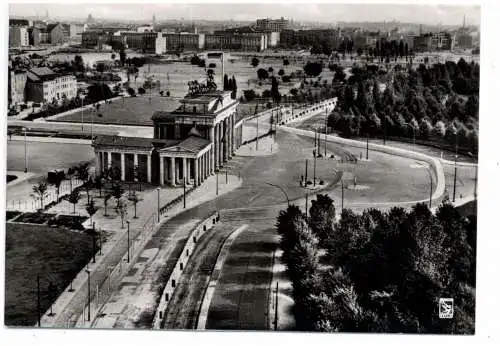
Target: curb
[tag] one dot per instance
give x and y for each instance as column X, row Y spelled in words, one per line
column 178, row 269
column 433, row 162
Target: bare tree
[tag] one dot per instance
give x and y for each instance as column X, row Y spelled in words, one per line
column 40, row 192
column 121, row 209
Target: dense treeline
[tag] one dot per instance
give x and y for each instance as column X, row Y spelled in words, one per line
column 439, row 102
column 379, row 272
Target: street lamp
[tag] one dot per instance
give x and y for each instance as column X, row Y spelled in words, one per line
column 158, row 189
column 88, row 296
column 413, row 130
column 81, row 98
column 25, row 151
column 283, row 190
column 128, row 241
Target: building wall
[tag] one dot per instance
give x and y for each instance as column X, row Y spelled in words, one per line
column 58, row 35
column 53, row 89
column 18, row 36
column 34, row 36
column 16, row 87
column 90, row 38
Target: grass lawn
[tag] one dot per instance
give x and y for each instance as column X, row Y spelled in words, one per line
column 32, row 250
column 127, row 111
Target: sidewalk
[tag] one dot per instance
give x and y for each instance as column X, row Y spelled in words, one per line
column 136, row 292
column 68, row 307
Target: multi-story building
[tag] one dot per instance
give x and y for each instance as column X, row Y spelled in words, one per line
column 432, row 42
column 16, row 87
column 190, row 143
column 184, row 40
column 45, row 85
column 34, row 36
column 463, row 40
column 90, row 38
column 20, row 22
column 18, row 36
column 142, row 41
column 233, row 41
column 58, row 33
column 272, row 25
column 291, row 38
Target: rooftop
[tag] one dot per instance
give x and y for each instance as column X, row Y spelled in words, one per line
column 132, row 142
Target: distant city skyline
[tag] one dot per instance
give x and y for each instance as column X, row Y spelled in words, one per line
column 321, row 12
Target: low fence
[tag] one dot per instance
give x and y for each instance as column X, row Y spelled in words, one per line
column 176, row 273
column 105, row 287
column 34, row 204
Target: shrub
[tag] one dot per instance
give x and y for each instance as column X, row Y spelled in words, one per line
column 321, row 182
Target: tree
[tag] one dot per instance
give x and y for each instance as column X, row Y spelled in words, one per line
column 134, row 199
column 91, row 210
column 73, row 198
column 141, row 91
column 40, row 192
column 281, row 72
column 286, row 62
column 271, row 70
column 98, row 92
column 262, row 73
column 78, row 63
column 255, row 62
column 234, row 88
column 113, row 56
column 123, row 56
column 131, row 91
column 274, row 89
column 121, row 209
column 226, row 82
column 249, row 94
column 117, row 192
column 195, row 60
column 57, row 181
column 107, row 197
column 313, row 69
column 322, row 216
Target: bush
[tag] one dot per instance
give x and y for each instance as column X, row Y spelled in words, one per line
column 141, row 91
column 249, row 94
column 309, row 182
column 321, row 182
column 212, row 65
column 286, row 79
column 195, row 60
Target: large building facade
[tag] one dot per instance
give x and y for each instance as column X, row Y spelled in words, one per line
column 45, row 85
column 18, row 36
column 272, row 25
column 189, row 144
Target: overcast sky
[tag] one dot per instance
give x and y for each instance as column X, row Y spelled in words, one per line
column 444, row 14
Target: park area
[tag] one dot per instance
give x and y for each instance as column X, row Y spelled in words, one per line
column 134, row 111
column 55, row 255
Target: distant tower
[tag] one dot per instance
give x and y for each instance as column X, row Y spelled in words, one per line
column 154, row 21
column 420, row 30
column 46, row 14
column 463, row 23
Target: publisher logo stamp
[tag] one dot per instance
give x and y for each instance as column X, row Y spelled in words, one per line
column 445, row 307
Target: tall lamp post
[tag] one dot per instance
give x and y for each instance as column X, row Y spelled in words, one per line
column 158, row 189
column 81, row 98
column 25, row 151
column 88, row 296
column 455, row 174
column 128, row 241
column 475, row 180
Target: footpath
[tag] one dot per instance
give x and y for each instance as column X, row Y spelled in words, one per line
column 71, row 307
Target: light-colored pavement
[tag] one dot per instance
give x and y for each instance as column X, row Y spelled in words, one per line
column 130, row 306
